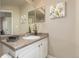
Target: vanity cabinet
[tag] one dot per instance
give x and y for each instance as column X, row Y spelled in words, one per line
column 38, row 49
column 31, row 51
column 35, row 50
column 44, row 48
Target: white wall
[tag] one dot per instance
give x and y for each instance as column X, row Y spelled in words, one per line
column 62, row 32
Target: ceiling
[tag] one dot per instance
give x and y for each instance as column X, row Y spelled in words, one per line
column 20, row 2
column 13, row 2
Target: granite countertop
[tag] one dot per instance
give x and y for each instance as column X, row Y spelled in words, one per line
column 20, row 43
column 8, row 35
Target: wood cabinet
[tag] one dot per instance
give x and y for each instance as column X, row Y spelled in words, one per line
column 38, row 49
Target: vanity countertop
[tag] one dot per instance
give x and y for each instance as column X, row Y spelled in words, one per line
column 2, row 36
column 8, row 35
column 20, row 43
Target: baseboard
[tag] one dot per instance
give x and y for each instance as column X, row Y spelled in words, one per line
column 49, row 56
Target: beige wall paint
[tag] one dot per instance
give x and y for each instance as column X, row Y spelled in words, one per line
column 15, row 17
column 62, row 32
column 24, row 11
column 77, row 28
column 24, row 26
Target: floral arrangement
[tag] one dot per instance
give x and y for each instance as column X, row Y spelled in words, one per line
column 58, row 11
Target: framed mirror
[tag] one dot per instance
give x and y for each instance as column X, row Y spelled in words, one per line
column 24, row 12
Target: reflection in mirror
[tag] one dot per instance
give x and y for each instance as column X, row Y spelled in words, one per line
column 37, row 15
column 5, row 23
column 31, row 17
column 40, row 15
column 24, row 13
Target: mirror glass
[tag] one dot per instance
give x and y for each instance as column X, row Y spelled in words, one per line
column 31, row 17
column 36, row 15
column 23, row 13
column 40, row 15
column 5, row 23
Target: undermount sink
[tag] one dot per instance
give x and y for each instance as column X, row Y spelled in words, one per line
column 31, row 37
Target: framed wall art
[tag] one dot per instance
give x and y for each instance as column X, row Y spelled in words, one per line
column 58, row 10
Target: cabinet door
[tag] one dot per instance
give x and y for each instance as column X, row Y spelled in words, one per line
column 44, row 48
column 31, row 51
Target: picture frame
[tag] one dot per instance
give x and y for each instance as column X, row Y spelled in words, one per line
column 58, row 11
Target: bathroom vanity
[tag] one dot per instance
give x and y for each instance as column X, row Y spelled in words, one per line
column 27, row 48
